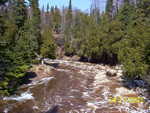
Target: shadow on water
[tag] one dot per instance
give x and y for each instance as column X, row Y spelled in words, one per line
column 132, row 83
column 104, row 59
column 53, row 110
column 27, row 78
column 135, row 83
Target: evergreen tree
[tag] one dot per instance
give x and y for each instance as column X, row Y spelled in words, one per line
column 20, row 12
column 109, row 6
column 48, row 46
column 132, row 45
column 43, row 18
column 145, row 6
column 47, row 8
column 68, row 30
column 34, row 24
column 47, row 17
column 69, row 15
column 13, row 66
column 126, row 14
column 56, row 20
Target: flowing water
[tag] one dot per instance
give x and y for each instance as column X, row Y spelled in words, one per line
column 75, row 87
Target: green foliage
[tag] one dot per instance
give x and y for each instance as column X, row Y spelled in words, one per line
column 9, row 63
column 126, row 15
column 68, row 31
column 56, row 19
column 92, row 40
column 109, row 6
column 34, row 24
column 18, row 43
column 132, row 47
column 48, row 46
column 133, row 62
column 147, row 55
column 20, row 13
column 69, row 15
column 123, row 39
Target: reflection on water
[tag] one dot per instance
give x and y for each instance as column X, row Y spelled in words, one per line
column 74, row 87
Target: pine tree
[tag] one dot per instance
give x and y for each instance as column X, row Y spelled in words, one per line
column 69, row 15
column 47, row 8
column 56, row 20
column 145, row 6
column 48, row 46
column 109, row 7
column 20, row 12
column 132, row 45
column 68, row 30
column 43, row 18
column 13, row 63
column 126, row 13
column 47, row 17
column 34, row 24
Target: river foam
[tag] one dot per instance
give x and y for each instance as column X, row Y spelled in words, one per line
column 24, row 96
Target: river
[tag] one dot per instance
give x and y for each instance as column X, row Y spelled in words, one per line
column 75, row 87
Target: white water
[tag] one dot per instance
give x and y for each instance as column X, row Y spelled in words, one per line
column 24, row 96
column 98, row 72
column 28, row 95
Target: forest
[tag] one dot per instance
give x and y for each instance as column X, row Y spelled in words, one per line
column 119, row 35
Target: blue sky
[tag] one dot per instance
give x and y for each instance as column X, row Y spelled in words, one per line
column 80, row 4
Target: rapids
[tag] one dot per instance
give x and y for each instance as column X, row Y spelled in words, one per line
column 75, row 87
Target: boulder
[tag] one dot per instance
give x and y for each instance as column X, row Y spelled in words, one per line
column 53, row 110
column 111, row 73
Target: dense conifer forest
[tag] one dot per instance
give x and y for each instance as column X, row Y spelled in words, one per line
column 119, row 35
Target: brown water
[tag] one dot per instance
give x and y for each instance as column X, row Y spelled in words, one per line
column 74, row 87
